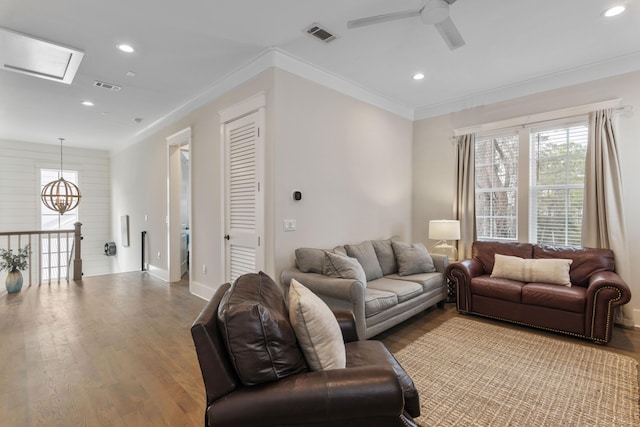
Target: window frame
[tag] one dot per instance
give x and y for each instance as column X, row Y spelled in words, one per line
column 526, row 228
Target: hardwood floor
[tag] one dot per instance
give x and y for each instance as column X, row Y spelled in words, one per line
column 116, row 351
column 111, row 351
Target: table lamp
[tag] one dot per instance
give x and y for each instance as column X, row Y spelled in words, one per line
column 444, row 230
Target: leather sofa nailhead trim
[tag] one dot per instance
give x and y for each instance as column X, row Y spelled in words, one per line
column 593, row 314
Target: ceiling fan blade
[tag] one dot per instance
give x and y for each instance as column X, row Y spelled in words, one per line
column 450, row 34
column 355, row 23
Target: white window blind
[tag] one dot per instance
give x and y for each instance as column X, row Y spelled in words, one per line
column 557, row 184
column 496, row 178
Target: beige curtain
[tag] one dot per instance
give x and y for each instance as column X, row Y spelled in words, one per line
column 465, row 203
column 603, row 224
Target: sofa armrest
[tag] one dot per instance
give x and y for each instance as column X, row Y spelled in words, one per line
column 347, row 324
column 460, row 273
column 441, row 262
column 605, row 292
column 371, row 392
column 337, row 293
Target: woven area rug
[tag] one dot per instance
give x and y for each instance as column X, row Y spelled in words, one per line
column 470, row 373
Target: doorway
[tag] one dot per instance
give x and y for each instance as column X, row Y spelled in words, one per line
column 179, row 231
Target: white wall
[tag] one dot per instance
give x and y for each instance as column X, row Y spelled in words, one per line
column 350, row 160
column 139, row 188
column 434, row 160
column 20, row 164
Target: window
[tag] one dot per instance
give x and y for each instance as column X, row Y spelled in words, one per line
column 557, row 184
column 51, row 220
column 497, row 186
column 56, row 253
column 530, row 183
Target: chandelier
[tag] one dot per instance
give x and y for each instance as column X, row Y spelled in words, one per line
column 60, row 195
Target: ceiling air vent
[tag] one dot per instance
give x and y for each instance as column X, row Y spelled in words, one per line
column 316, row 31
column 108, row 86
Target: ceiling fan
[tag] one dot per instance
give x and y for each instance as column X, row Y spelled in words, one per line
column 434, row 12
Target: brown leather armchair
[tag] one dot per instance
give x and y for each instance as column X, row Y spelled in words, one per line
column 373, row 390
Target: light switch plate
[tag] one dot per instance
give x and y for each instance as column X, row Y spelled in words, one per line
column 289, row 225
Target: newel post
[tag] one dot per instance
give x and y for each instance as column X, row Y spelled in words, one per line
column 77, row 259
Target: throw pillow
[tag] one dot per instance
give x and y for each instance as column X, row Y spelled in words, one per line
column 310, row 260
column 386, row 257
column 366, row 256
column 553, row 271
column 316, row 328
column 343, row 267
column 254, row 322
column 412, row 258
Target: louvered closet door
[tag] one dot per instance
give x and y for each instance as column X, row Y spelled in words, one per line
column 244, row 201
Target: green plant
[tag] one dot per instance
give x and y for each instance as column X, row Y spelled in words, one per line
column 10, row 261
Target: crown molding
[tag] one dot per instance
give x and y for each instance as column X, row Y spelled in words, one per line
column 278, row 58
column 295, row 65
column 271, row 58
column 599, row 70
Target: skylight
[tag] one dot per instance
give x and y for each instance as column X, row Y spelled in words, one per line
column 25, row 54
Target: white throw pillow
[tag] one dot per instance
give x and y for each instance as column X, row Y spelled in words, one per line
column 554, row 271
column 316, row 328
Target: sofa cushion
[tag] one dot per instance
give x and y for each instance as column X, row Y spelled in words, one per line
column 386, row 256
column 316, row 328
column 552, row 271
column 428, row 281
column 504, row 289
column 412, row 258
column 485, row 252
column 366, row 256
column 558, row 297
column 405, row 290
column 254, row 323
column 586, row 261
column 376, row 301
column 344, row 267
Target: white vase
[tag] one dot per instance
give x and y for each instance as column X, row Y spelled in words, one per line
column 14, row 281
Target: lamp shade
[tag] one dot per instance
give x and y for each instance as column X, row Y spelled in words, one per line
column 444, row 229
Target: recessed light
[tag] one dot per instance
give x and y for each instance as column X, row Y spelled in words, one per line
column 418, row 76
column 131, row 74
column 87, row 103
column 125, row 48
column 613, row 11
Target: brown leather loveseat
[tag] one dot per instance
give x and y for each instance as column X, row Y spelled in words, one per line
column 583, row 308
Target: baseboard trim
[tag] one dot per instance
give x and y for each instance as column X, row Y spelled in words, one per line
column 158, row 272
column 201, row 290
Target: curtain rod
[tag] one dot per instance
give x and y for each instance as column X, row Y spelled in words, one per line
column 542, row 117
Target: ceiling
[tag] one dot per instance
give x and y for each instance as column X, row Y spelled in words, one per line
column 187, row 49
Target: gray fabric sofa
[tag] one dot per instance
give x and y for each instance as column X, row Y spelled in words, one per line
column 395, row 283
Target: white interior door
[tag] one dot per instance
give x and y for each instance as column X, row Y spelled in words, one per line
column 244, row 201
